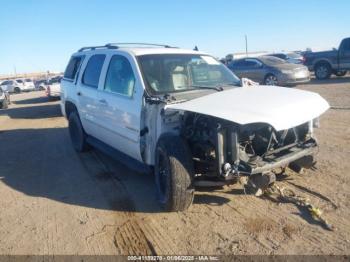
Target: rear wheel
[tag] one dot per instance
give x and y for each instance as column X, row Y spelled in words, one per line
column 17, row 90
column 340, row 73
column 174, row 173
column 77, row 134
column 323, row 71
column 4, row 104
column 271, row 80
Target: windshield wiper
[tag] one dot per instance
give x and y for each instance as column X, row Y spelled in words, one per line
column 217, row 88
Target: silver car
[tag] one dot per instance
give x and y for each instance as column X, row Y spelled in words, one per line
column 269, row 70
column 291, row 57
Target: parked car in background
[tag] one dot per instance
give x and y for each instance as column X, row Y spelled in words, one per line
column 18, row 85
column 184, row 115
column 326, row 63
column 40, row 84
column 270, row 70
column 4, row 99
column 24, row 85
column 291, row 57
column 53, row 88
column 29, row 84
column 7, row 86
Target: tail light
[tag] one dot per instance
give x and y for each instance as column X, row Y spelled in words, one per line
column 303, row 59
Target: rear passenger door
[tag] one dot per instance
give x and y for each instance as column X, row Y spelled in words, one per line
column 120, row 102
column 87, row 92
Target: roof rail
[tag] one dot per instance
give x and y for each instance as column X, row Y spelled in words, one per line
column 117, row 45
column 96, row 47
column 143, row 44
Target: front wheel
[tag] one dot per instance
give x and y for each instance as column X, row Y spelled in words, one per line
column 271, row 80
column 174, row 173
column 340, row 73
column 17, row 90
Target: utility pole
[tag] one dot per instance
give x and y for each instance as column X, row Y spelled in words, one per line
column 246, row 46
column 15, row 71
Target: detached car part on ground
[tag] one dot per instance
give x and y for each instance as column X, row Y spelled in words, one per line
column 184, row 115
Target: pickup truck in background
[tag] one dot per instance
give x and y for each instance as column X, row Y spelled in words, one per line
column 326, row 63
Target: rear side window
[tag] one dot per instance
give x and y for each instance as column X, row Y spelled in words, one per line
column 120, row 77
column 72, row 67
column 93, row 69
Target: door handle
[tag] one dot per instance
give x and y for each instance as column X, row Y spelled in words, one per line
column 79, row 94
column 103, row 101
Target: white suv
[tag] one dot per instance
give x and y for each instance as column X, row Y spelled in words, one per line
column 18, row 85
column 185, row 116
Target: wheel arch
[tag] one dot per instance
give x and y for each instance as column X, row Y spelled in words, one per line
column 322, row 61
column 70, row 107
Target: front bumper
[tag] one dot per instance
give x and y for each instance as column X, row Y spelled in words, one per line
column 284, row 158
column 295, row 78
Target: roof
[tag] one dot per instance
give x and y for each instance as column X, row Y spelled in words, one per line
column 151, row 50
column 137, row 50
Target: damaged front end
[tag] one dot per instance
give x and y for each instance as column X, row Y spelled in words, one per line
column 222, row 150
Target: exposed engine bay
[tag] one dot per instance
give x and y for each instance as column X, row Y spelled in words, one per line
column 222, row 149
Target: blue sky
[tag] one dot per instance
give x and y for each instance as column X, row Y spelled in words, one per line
column 38, row 35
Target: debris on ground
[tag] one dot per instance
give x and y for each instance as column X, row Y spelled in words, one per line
column 287, row 195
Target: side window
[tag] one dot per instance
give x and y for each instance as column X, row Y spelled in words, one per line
column 238, row 63
column 252, row 63
column 93, row 69
column 347, row 45
column 120, row 77
column 72, row 67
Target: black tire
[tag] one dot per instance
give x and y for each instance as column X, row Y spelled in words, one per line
column 323, row 71
column 174, row 173
column 4, row 104
column 17, row 90
column 270, row 80
column 77, row 133
column 340, row 73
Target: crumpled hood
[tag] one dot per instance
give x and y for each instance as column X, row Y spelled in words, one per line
column 282, row 108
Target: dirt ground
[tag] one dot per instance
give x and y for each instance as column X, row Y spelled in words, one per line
column 54, row 201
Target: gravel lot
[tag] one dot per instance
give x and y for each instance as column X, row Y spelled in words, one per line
column 54, row 201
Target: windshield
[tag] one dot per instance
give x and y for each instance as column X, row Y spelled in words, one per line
column 293, row 55
column 168, row 73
